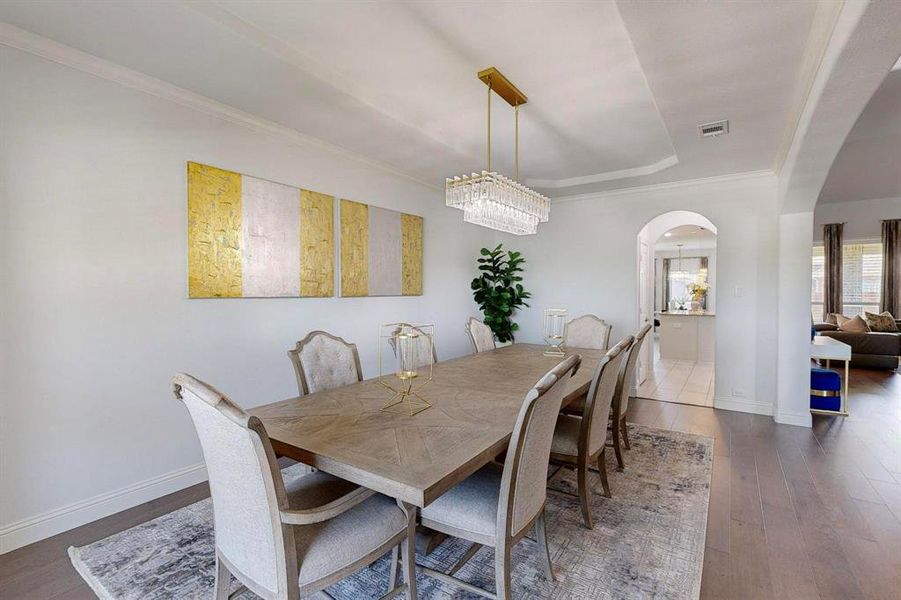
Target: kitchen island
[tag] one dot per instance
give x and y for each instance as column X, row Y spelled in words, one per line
column 687, row 335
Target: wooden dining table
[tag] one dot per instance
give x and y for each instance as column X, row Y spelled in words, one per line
column 475, row 401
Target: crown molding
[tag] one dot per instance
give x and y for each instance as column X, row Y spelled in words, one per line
column 665, row 163
column 26, row 41
column 732, row 177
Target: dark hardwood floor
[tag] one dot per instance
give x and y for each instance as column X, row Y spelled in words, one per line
column 794, row 513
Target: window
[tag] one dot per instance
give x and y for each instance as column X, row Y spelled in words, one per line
column 680, row 273
column 861, row 279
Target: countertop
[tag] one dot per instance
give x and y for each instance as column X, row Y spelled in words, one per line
column 685, row 313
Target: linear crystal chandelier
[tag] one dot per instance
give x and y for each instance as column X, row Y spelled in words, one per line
column 490, row 199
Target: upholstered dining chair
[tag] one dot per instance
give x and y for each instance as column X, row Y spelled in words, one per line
column 323, row 361
column 588, row 331
column 499, row 504
column 424, row 346
column 286, row 540
column 621, row 397
column 581, row 440
column 480, row 335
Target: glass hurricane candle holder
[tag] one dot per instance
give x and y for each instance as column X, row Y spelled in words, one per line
column 554, row 331
column 408, row 368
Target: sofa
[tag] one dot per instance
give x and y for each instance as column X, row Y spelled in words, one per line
column 873, row 350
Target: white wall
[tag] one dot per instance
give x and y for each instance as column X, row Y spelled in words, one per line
column 862, row 218
column 585, row 260
column 95, row 319
column 794, row 275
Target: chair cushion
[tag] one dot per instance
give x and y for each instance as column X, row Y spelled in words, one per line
column 323, row 548
column 566, row 435
column 469, row 506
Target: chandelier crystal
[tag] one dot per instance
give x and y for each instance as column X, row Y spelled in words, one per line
column 488, row 198
column 492, row 200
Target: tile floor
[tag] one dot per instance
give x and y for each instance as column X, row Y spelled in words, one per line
column 681, row 381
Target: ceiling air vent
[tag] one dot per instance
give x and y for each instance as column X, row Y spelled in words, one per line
column 713, row 129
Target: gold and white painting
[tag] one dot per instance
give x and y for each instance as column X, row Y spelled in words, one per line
column 381, row 251
column 253, row 238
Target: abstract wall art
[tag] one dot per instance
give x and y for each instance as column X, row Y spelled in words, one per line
column 381, row 251
column 253, row 238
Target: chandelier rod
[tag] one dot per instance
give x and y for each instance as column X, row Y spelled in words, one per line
column 516, row 137
column 489, row 125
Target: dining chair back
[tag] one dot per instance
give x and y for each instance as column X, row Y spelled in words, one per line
column 524, row 481
column 480, row 335
column 425, row 346
column 624, row 384
column 621, row 396
column 600, row 397
column 323, row 361
column 246, row 488
column 588, row 331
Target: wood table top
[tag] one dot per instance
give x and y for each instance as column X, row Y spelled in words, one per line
column 475, row 400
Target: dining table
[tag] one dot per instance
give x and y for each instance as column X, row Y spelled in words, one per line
column 474, row 401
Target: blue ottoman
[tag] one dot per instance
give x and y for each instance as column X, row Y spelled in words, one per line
column 825, row 390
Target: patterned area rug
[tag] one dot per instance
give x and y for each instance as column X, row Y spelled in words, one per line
column 648, row 540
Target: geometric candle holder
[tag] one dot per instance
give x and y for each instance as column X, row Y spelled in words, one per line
column 554, row 331
column 411, row 368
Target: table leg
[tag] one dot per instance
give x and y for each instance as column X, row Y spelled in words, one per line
column 408, row 550
column 845, row 395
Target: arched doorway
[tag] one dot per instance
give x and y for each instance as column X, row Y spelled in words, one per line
column 677, row 293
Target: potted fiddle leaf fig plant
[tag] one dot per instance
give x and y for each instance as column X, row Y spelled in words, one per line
column 498, row 290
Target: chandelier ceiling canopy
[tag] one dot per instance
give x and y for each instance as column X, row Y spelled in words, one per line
column 488, row 198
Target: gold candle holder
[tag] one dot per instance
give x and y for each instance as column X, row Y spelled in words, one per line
column 555, row 331
column 413, row 356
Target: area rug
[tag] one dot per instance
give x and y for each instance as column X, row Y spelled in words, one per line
column 648, row 540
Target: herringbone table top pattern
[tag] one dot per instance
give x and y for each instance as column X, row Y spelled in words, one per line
column 475, row 400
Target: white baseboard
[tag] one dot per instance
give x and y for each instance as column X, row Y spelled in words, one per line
column 742, row 405
column 36, row 528
column 786, row 417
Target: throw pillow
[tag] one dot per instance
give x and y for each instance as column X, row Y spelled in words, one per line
column 884, row 322
column 855, row 324
column 839, row 319
column 831, row 318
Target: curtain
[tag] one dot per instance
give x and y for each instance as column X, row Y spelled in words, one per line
column 891, row 267
column 666, row 290
column 832, row 280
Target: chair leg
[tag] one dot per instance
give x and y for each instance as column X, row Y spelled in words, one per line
column 616, row 445
column 502, row 572
column 409, row 550
column 624, row 427
column 541, row 537
column 585, row 494
column 602, row 471
column 223, row 579
column 392, row 570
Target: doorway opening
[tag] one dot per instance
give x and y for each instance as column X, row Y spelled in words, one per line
column 677, row 293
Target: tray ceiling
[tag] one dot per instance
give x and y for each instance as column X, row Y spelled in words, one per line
column 615, row 90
